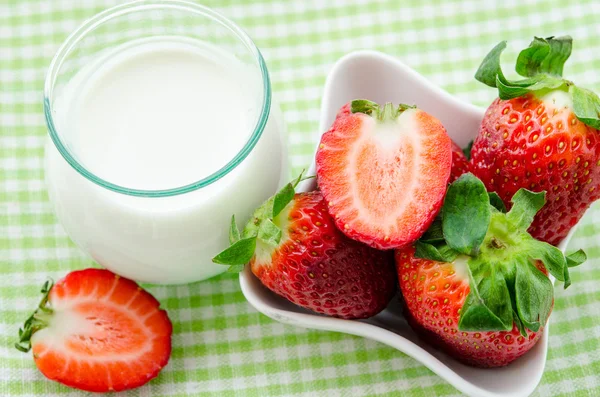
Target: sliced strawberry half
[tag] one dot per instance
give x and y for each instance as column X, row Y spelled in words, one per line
column 99, row 332
column 383, row 172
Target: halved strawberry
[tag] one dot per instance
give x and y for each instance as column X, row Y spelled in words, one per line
column 383, row 172
column 99, row 332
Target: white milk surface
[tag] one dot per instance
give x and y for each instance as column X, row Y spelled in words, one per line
column 157, row 115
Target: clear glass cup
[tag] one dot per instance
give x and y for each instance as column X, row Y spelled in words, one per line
column 166, row 235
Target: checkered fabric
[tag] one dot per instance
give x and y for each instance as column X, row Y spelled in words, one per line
column 221, row 345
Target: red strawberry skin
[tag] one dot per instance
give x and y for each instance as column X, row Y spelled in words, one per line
column 434, row 293
column 344, row 110
column 384, row 192
column 540, row 145
column 319, row 268
column 460, row 163
column 105, row 333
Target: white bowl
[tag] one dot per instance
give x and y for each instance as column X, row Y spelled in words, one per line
column 382, row 78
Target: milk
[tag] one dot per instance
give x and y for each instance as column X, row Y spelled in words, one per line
column 166, row 114
column 154, row 115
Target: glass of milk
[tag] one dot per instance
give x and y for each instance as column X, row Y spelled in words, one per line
column 162, row 127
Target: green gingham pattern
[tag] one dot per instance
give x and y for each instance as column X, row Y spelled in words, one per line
column 221, row 345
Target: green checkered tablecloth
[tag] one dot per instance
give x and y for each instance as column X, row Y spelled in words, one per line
column 221, row 345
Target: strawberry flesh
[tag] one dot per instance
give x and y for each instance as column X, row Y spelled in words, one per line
column 102, row 333
column 384, row 179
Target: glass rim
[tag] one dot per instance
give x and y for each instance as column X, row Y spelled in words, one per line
column 139, row 5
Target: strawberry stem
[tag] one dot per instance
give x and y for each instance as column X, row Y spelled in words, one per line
column 37, row 321
column 364, row 106
column 383, row 113
column 495, row 243
column 388, row 113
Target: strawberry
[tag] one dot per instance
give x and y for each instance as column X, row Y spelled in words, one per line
column 294, row 248
column 383, row 172
column 540, row 134
column 477, row 285
column 460, row 163
column 98, row 332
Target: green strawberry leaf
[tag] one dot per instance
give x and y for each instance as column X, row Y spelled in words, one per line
column 531, row 58
column 434, row 234
column 364, row 106
column 586, row 106
column 269, row 233
column 519, row 324
column 513, row 302
column 546, row 82
column 487, row 307
column 541, row 64
column 576, row 258
column 508, row 91
column 566, row 277
column 239, row 253
column 235, row 268
column 466, row 214
column 490, row 68
column 525, row 205
column 534, row 296
column 497, row 202
column 552, row 257
column 561, row 48
column 435, row 252
column 301, row 178
column 265, row 211
column 234, row 232
column 513, row 89
column 286, row 194
column 37, row 321
column 544, row 56
column 282, row 199
column 382, row 113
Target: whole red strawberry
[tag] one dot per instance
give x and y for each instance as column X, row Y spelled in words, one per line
column 434, row 294
column 482, row 292
column 541, row 134
column 383, row 171
column 98, row 332
column 294, row 248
